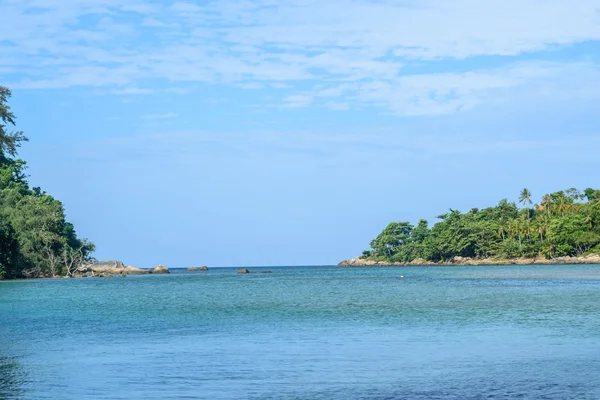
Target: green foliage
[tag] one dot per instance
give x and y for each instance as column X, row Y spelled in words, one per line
column 9, row 141
column 564, row 224
column 394, row 236
column 9, row 250
column 35, row 238
column 525, row 197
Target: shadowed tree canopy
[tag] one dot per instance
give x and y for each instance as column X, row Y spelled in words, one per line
column 35, row 238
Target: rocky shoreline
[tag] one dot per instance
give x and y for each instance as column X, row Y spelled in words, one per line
column 110, row 268
column 466, row 261
column 107, row 269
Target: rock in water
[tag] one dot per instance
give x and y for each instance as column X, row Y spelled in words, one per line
column 101, row 268
column 104, row 266
column 135, row 271
column 243, row 271
column 203, row 268
column 109, row 268
column 161, row 269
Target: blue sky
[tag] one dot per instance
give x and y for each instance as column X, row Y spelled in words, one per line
column 281, row 133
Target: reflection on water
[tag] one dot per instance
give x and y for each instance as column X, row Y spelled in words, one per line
column 12, row 378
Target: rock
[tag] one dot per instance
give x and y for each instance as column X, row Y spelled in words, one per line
column 203, row 268
column 106, row 265
column 524, row 261
column 84, row 269
column 243, row 271
column 458, row 260
column 592, row 258
column 109, row 268
column 101, row 267
column 135, row 271
column 161, row 269
column 358, row 262
column 419, row 261
column 265, row 272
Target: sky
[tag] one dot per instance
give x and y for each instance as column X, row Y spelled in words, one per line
column 263, row 132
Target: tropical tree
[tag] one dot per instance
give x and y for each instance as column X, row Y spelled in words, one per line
column 526, row 226
column 34, row 233
column 562, row 226
column 546, row 202
column 589, row 221
column 543, row 226
column 516, row 230
column 525, row 197
column 502, row 229
column 9, row 141
column 394, row 235
column 591, row 194
column 574, row 195
column 9, row 250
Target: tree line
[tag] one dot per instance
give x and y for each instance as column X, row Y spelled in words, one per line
column 36, row 240
column 563, row 223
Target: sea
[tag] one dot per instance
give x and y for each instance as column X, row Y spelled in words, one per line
column 498, row 332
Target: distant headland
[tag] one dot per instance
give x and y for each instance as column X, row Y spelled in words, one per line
column 563, row 228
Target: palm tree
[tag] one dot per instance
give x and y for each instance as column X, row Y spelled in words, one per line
column 564, row 207
column 515, row 229
column 501, row 230
column 546, row 201
column 543, row 227
column 525, row 197
column 527, row 228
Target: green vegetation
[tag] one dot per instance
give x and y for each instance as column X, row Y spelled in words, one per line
column 565, row 223
column 35, row 238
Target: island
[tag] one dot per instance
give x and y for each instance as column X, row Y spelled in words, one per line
column 563, row 228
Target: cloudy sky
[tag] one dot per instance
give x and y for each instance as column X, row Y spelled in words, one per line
column 277, row 133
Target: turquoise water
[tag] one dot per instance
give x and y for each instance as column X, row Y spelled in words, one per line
column 528, row 332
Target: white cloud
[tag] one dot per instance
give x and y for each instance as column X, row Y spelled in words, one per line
column 160, row 116
column 131, row 91
column 177, row 90
column 297, row 100
column 353, row 52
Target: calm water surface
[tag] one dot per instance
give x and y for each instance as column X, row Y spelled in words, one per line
column 530, row 332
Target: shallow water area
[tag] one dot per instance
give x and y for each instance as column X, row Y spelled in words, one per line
column 306, row 333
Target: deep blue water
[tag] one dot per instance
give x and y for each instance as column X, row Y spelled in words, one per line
column 530, row 332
